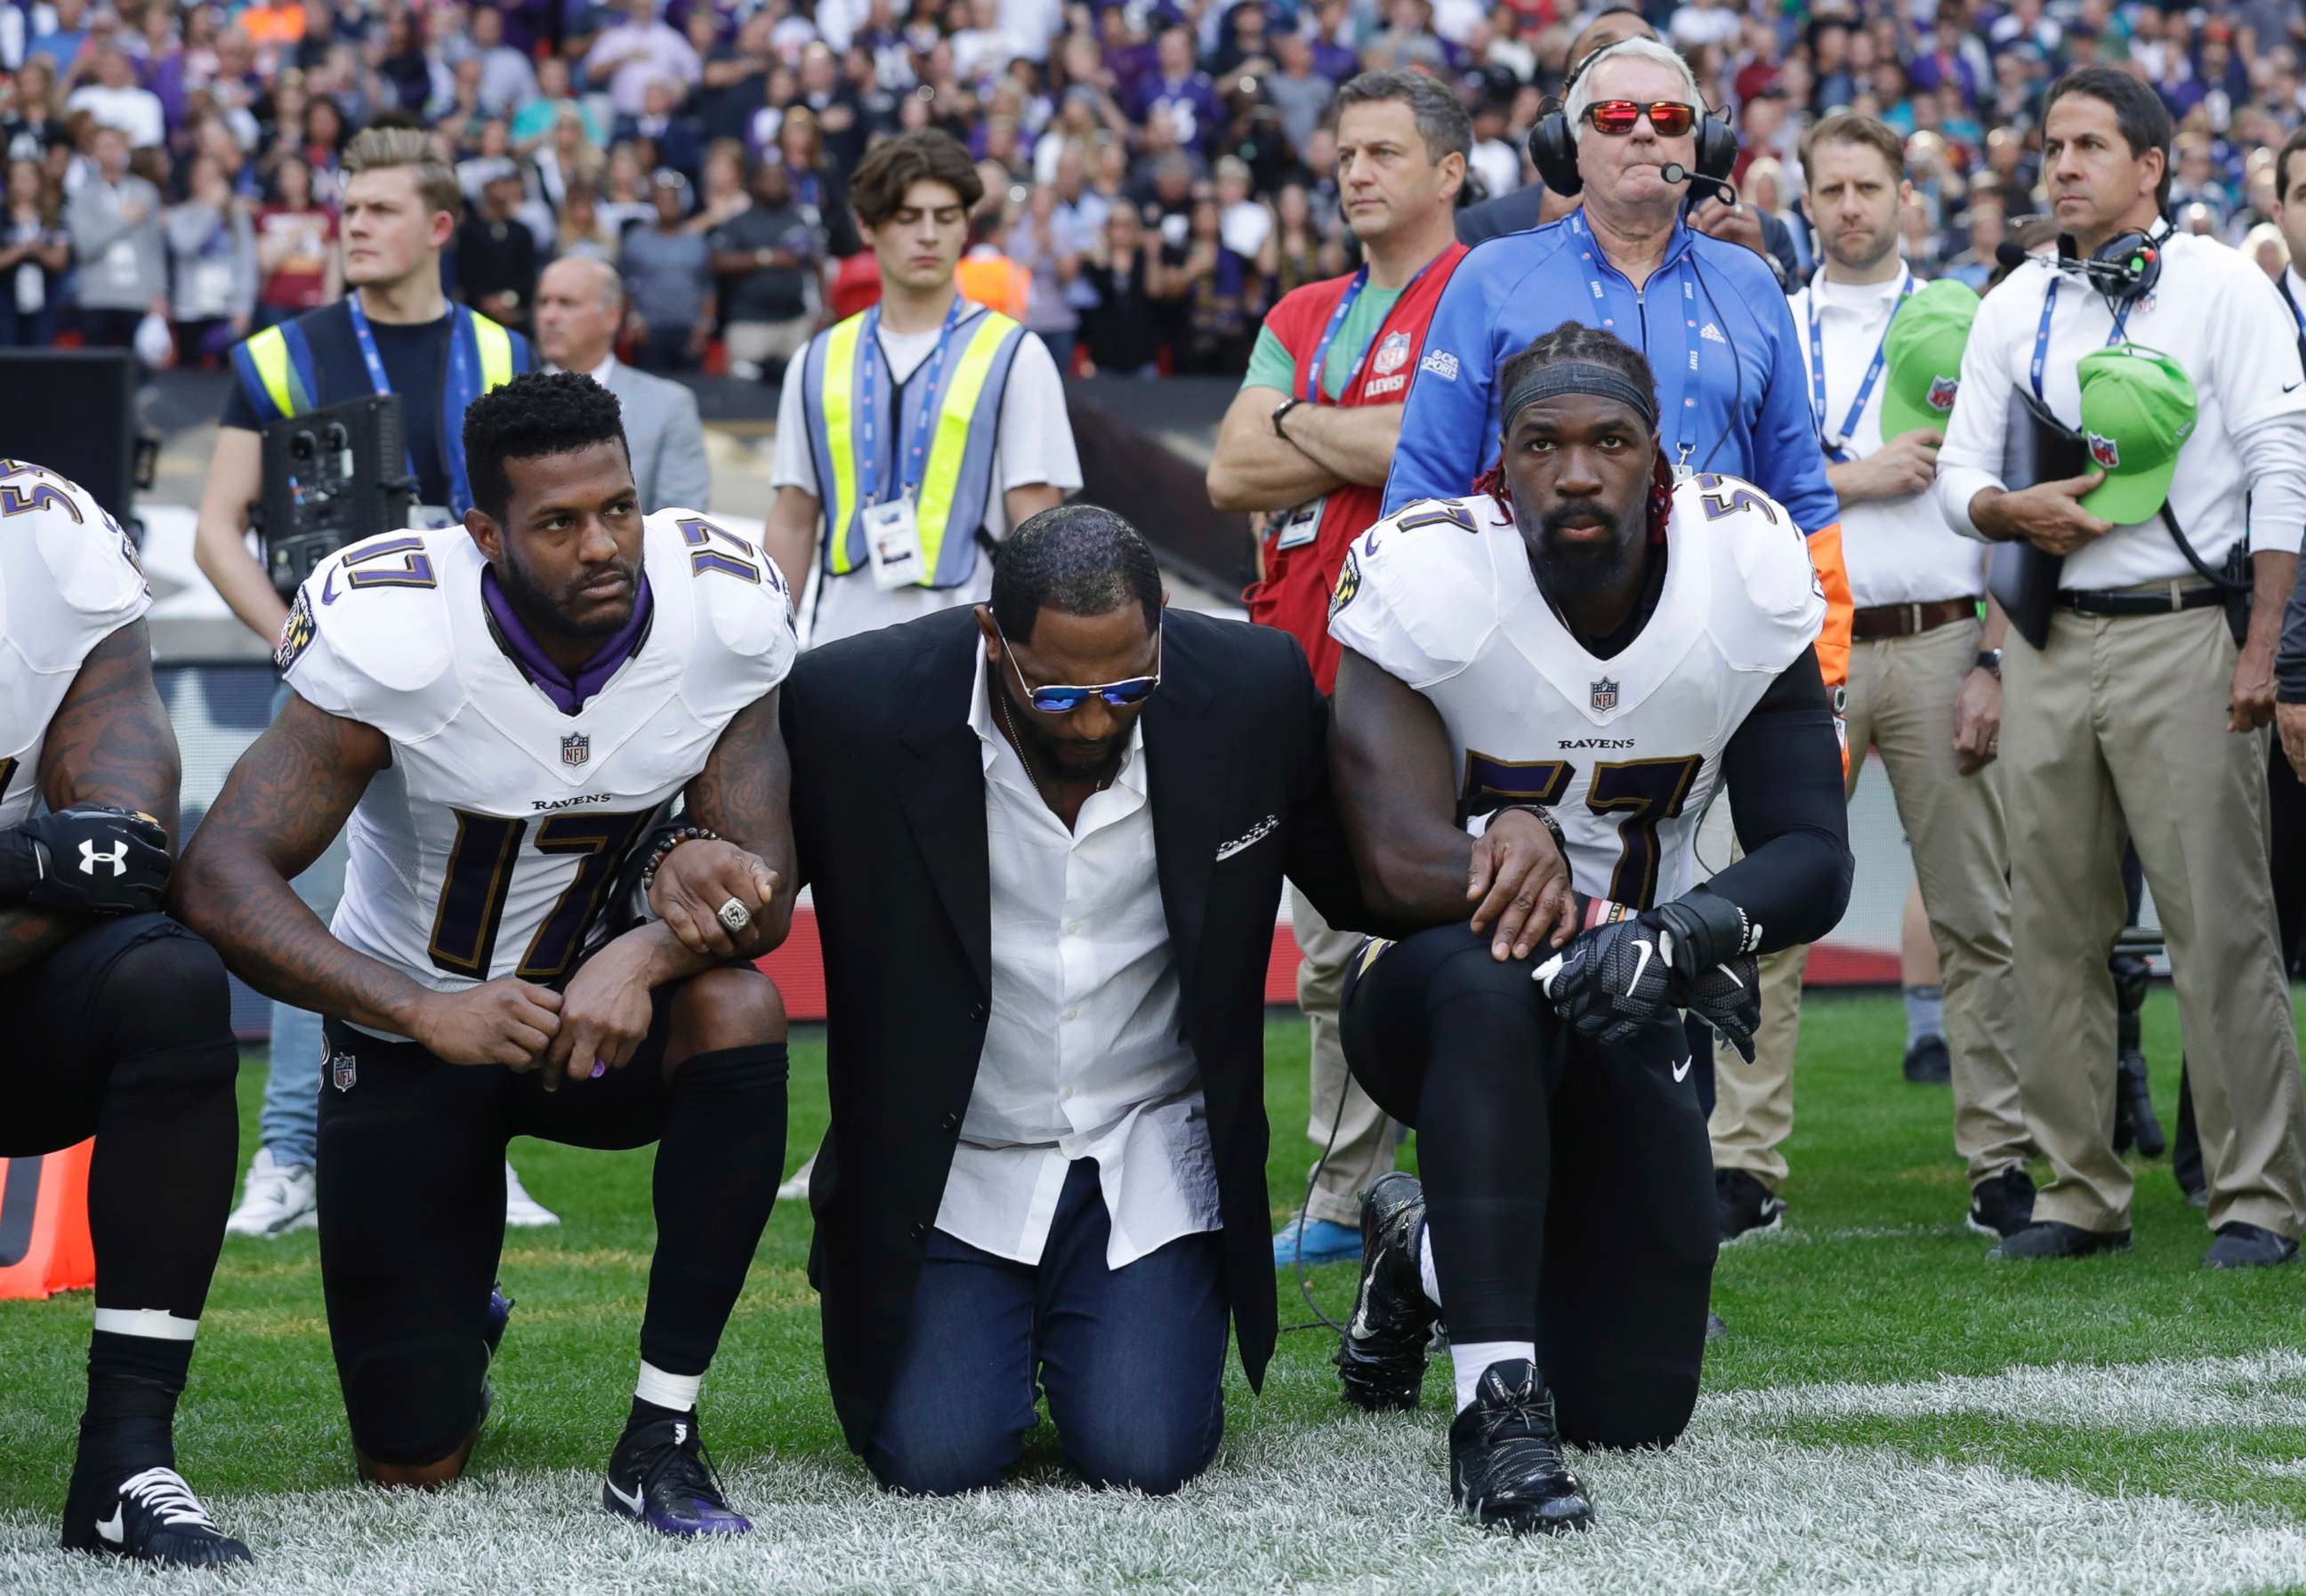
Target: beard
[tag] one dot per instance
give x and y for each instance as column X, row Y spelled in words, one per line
column 1861, row 251
column 1575, row 569
column 540, row 611
column 1069, row 758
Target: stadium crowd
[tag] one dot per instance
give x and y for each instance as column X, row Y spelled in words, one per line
column 1155, row 177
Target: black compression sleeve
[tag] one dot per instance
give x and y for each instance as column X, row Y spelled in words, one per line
column 1784, row 770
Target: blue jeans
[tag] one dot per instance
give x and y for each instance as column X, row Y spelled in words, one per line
column 1133, row 1359
column 290, row 1122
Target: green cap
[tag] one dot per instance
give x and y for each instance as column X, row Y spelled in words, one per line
column 1922, row 356
column 2138, row 411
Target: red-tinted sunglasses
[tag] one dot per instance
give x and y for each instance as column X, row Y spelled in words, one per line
column 1616, row 118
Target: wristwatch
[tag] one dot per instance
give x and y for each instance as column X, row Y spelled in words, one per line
column 1989, row 659
column 1280, row 410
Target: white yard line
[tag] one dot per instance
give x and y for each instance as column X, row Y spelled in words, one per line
column 1355, row 1506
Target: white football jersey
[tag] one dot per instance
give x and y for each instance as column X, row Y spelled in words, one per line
column 1625, row 753
column 68, row 580
column 489, row 846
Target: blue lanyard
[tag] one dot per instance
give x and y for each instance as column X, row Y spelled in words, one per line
column 909, row 471
column 2041, row 334
column 1312, row 394
column 1684, row 447
column 460, row 384
column 1836, row 446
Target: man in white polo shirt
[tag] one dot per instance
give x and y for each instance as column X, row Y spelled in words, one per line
column 1924, row 685
column 2138, row 716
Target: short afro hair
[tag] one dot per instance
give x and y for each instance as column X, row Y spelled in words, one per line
column 536, row 414
column 1079, row 559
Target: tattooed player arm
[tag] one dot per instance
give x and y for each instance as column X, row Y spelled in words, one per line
column 108, row 743
column 283, row 805
column 744, row 796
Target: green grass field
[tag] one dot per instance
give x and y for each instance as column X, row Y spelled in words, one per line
column 1888, row 1412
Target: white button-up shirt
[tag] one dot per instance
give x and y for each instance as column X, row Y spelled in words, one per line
column 1084, row 1050
column 2242, row 471
column 1897, row 551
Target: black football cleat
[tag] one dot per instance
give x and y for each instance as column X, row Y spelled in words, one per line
column 1506, row 1469
column 1928, row 1063
column 1746, row 1204
column 2243, row 1246
column 2003, row 1205
column 1380, row 1357
column 659, row 1476
column 148, row 1517
column 2054, row 1238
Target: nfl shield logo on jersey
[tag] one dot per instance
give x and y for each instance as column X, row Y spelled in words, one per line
column 343, row 1069
column 576, row 747
column 1605, row 696
column 2104, row 451
column 1392, row 355
column 1942, row 390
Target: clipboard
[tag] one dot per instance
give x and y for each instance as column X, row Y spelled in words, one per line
column 2039, row 449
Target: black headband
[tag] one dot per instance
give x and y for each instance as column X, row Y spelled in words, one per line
column 1579, row 377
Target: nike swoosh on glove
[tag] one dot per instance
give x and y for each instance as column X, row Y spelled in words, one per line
column 1727, row 996
column 1610, row 982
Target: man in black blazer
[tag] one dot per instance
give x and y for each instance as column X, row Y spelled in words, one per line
column 1046, row 936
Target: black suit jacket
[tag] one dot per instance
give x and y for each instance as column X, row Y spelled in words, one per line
column 888, row 801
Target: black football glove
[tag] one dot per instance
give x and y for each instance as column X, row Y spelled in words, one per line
column 95, row 859
column 1609, row 983
column 1727, row 996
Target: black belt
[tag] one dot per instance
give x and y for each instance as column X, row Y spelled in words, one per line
column 2085, row 601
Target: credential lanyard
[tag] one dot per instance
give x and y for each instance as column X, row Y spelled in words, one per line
column 1312, row 393
column 2041, row 334
column 1836, row 446
column 460, row 385
column 906, row 472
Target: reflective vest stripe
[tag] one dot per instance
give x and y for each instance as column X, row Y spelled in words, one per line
column 956, row 418
column 836, row 392
column 495, row 346
column 273, row 373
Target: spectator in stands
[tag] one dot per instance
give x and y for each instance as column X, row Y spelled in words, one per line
column 639, row 51
column 660, row 122
column 732, row 87
column 1224, row 297
column 667, row 273
column 818, row 189
column 566, row 161
column 1051, row 245
column 624, row 202
column 212, row 262
column 117, row 233
column 986, row 275
column 115, row 100
column 1124, row 329
column 1179, row 95
column 1300, row 94
column 1295, row 253
column 728, row 194
column 579, row 234
column 295, row 247
column 541, row 112
column 765, row 258
column 35, row 253
column 507, row 80
column 33, row 125
column 61, row 42
column 412, row 71
column 495, row 253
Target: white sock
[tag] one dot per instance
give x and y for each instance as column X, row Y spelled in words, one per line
column 674, row 1391
column 1471, row 1357
column 1426, row 1278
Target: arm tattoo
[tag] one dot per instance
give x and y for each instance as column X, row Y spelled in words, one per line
column 284, row 803
column 744, row 793
column 109, row 742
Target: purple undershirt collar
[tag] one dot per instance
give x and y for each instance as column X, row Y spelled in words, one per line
column 568, row 694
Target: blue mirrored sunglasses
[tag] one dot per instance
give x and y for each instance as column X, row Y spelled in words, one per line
column 1062, row 700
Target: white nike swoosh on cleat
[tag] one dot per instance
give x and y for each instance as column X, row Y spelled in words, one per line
column 632, row 1503
column 1681, row 1070
column 113, row 1529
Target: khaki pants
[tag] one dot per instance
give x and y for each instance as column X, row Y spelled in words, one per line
column 1366, row 1138
column 1901, row 700
column 2117, row 728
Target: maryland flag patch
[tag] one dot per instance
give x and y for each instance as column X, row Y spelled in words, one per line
column 1349, row 582
column 296, row 634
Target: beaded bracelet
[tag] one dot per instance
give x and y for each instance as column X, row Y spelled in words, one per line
column 665, row 845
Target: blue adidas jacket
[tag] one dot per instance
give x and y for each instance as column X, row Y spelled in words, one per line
column 1731, row 385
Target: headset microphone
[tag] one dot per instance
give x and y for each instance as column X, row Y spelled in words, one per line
column 1675, row 172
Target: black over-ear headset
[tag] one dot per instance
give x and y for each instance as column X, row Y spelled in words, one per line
column 1553, row 151
column 2125, row 267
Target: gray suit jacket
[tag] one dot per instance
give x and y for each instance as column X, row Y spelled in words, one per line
column 667, row 438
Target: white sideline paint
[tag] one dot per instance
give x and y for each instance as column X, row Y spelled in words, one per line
column 1357, row 1505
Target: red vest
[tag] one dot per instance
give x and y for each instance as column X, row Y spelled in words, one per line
column 1295, row 591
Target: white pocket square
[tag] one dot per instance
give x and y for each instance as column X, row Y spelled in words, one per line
column 1250, row 838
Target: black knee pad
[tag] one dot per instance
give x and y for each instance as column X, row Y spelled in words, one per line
column 164, row 1002
column 416, row 1403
